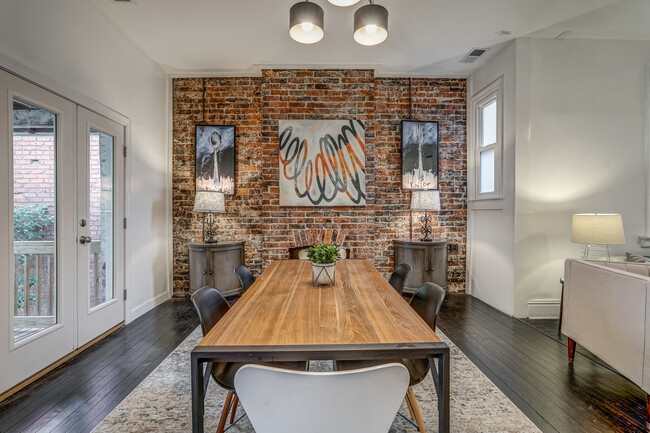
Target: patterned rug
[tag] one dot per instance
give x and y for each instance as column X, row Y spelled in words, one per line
column 162, row 402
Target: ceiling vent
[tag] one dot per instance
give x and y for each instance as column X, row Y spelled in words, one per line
column 124, row 1
column 473, row 55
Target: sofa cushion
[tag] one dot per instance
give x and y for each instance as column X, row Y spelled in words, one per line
column 634, row 267
column 635, row 258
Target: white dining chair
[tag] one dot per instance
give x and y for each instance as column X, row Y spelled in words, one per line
column 353, row 401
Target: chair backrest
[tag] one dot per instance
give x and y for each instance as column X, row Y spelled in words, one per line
column 210, row 305
column 245, row 276
column 399, row 276
column 427, row 302
column 286, row 401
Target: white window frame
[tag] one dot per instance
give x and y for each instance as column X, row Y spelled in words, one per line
column 493, row 91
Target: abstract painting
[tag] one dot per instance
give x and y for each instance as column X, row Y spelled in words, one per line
column 322, row 163
column 215, row 158
column 419, row 155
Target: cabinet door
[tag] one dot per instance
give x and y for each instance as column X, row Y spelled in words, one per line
column 438, row 265
column 198, row 269
column 417, row 257
column 224, row 262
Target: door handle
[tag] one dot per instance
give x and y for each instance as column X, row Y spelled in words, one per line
column 85, row 240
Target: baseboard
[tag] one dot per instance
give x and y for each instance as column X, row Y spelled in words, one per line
column 149, row 305
column 544, row 308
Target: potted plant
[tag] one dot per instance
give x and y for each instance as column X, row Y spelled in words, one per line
column 323, row 259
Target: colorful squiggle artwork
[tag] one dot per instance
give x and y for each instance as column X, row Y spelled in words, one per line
column 322, row 163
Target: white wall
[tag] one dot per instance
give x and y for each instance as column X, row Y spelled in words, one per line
column 72, row 43
column 580, row 126
column 491, row 231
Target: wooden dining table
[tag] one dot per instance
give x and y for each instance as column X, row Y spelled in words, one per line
column 284, row 317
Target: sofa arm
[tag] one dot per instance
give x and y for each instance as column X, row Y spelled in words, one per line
column 604, row 310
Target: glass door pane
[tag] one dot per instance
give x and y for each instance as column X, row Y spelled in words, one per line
column 100, row 190
column 34, row 219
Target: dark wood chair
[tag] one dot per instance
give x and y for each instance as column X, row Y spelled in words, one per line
column 426, row 301
column 245, row 276
column 399, row 276
column 211, row 306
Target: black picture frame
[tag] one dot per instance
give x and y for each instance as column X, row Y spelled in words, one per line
column 420, row 173
column 209, row 139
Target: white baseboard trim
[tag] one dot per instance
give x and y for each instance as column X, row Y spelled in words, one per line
column 149, row 305
column 544, row 308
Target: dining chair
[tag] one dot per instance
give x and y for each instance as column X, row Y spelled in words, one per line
column 245, row 276
column 399, row 276
column 211, row 306
column 354, row 401
column 427, row 302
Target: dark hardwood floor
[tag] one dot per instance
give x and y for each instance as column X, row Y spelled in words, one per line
column 530, row 366
column 78, row 395
column 525, row 359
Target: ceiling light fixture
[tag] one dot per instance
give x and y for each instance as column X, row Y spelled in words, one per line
column 343, row 2
column 306, row 22
column 371, row 24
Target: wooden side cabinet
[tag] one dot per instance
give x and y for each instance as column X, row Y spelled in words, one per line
column 213, row 265
column 428, row 260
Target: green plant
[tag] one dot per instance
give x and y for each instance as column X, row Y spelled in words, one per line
column 323, row 254
column 31, row 222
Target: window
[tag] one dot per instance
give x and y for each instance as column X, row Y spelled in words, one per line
column 486, row 143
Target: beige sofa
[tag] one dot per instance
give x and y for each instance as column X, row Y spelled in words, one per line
column 606, row 306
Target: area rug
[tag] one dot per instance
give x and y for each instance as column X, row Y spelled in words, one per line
column 162, row 402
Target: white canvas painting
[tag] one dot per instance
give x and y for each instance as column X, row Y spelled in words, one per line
column 322, row 163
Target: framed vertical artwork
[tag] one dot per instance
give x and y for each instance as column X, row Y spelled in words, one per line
column 419, row 155
column 322, row 162
column 215, row 158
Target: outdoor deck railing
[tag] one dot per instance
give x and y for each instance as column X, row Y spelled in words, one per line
column 35, row 274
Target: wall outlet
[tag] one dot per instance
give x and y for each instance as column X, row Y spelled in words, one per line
column 453, row 247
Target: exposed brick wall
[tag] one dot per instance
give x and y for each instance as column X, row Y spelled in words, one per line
column 254, row 106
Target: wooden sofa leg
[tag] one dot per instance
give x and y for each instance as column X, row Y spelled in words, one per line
column 572, row 350
column 647, row 411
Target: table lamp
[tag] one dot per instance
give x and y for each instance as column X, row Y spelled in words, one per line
column 426, row 200
column 597, row 229
column 209, row 202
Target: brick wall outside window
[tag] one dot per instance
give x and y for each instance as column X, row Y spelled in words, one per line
column 256, row 104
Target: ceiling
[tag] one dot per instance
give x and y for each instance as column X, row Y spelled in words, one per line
column 426, row 37
column 627, row 19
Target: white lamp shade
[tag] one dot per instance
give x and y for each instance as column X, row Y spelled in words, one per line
column 209, row 201
column 597, row 229
column 425, row 200
column 343, row 2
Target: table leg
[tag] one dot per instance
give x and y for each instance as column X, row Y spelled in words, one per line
column 442, row 376
column 434, row 374
column 197, row 395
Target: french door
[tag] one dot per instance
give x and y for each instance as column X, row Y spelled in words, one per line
column 61, row 279
column 99, row 224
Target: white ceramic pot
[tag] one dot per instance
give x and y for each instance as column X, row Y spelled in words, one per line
column 324, row 274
